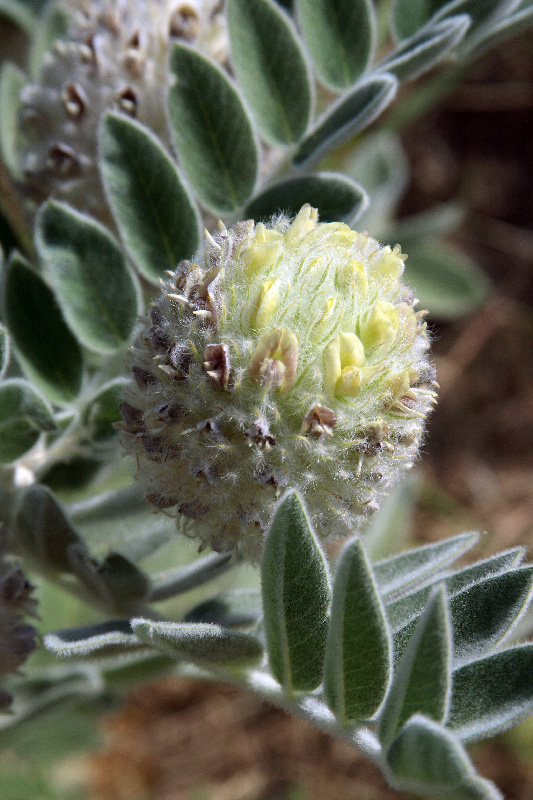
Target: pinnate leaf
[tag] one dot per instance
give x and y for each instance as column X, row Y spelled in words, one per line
column 352, row 113
column 421, row 683
column 271, row 69
column 93, row 283
column 337, row 198
column 296, row 597
column 155, row 214
column 24, row 415
column 340, row 37
column 212, row 131
column 49, row 353
column 358, row 658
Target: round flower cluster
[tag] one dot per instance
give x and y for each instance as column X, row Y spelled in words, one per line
column 113, row 56
column 293, row 357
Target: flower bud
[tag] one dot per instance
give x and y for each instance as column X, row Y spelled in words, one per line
column 293, row 357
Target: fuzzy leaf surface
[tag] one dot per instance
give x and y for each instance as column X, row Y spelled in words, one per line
column 103, row 640
column 231, row 609
column 340, row 36
column 12, row 79
column 503, row 29
column 93, row 283
column 24, row 415
column 411, row 605
column 426, row 48
column 212, row 131
column 492, row 693
column 358, row 660
column 401, row 571
column 421, row 683
column 350, row 115
column 155, row 213
column 124, row 580
column 296, row 597
column 408, row 16
column 47, row 350
column 42, row 531
column 427, row 758
column 271, row 68
column 200, row 643
column 102, row 410
column 337, row 198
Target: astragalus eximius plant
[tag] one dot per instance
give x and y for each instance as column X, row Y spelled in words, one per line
column 282, row 366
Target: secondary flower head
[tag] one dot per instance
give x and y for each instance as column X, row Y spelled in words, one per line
column 292, row 357
column 113, row 56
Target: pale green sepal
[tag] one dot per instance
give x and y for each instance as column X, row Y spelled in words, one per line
column 46, row 349
column 232, row 609
column 212, row 131
column 428, row 759
column 154, row 211
column 101, row 412
column 24, row 416
column 426, row 48
column 352, row 113
column 100, row 641
column 337, row 198
column 4, row 351
column 422, row 681
column 358, row 660
column 406, row 569
column 492, row 693
column 271, row 68
column 12, row 79
column 445, row 280
column 42, row 532
column 95, row 288
column 340, row 36
column 200, row 643
column 296, row 597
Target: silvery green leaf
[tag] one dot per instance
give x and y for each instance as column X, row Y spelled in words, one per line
column 502, row 29
column 403, row 570
column 201, row 643
column 124, row 581
column 409, row 16
column 296, row 597
column 424, row 49
column 426, row 758
column 42, row 531
column 445, row 280
column 358, row 659
column 172, row 582
column 387, row 530
column 439, row 220
column 102, row 640
column 481, row 614
column 121, row 521
column 212, row 131
column 422, row 680
column 4, row 351
column 12, row 79
column 95, row 288
column 154, row 212
column 337, row 198
column 271, row 68
column 45, row 347
column 232, row 609
column 492, row 693
column 340, row 36
column 24, row 415
column 408, row 607
column 353, row 112
column 51, row 24
column 102, row 410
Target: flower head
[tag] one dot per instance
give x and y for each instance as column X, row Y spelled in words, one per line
column 113, row 56
column 292, row 357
